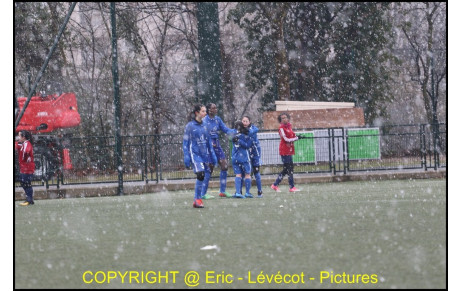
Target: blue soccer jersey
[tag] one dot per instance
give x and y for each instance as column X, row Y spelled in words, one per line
column 255, row 150
column 197, row 146
column 214, row 125
column 240, row 154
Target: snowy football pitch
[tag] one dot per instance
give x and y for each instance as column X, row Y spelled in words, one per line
column 385, row 234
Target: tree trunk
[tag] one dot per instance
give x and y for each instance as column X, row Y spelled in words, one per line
column 227, row 87
column 281, row 64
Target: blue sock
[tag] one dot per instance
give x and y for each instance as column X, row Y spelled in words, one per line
column 207, row 177
column 238, row 184
column 223, row 181
column 258, row 181
column 198, row 189
column 248, row 184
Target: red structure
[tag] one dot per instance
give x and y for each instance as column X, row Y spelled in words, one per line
column 48, row 113
column 66, row 161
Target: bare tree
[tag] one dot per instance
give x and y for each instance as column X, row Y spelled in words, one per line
column 276, row 14
column 88, row 68
column 150, row 33
column 426, row 34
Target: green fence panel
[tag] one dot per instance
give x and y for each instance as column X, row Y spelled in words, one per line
column 363, row 144
column 305, row 149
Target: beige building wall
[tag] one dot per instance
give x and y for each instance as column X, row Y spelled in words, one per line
column 317, row 118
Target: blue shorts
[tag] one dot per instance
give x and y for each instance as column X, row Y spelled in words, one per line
column 241, row 168
column 255, row 161
column 218, row 150
column 201, row 167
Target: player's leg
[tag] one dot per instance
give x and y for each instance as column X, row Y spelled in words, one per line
column 26, row 184
column 222, row 160
column 207, row 177
column 223, row 175
column 199, row 170
column 281, row 174
column 290, row 171
column 256, row 170
column 238, row 174
column 247, row 178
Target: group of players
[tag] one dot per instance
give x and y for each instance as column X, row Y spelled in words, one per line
column 202, row 152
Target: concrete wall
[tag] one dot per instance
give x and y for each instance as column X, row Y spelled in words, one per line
column 317, row 118
column 136, row 188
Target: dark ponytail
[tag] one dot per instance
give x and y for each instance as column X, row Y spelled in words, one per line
column 238, row 125
column 27, row 135
column 192, row 114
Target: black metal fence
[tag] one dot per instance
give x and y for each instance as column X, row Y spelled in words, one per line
column 160, row 157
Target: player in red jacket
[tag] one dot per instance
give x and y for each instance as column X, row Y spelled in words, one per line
column 286, row 150
column 26, row 164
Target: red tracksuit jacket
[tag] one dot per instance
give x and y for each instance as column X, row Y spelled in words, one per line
column 26, row 157
column 287, row 140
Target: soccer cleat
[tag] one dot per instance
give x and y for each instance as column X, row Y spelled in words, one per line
column 26, row 203
column 238, row 195
column 260, row 194
column 275, row 188
column 248, row 195
column 198, row 203
column 225, row 195
column 294, row 189
column 207, row 196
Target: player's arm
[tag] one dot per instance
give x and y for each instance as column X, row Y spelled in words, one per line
column 283, row 136
column 253, row 129
column 186, row 146
column 224, row 128
column 211, row 149
column 245, row 143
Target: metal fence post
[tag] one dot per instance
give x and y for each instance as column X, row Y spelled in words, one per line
column 61, row 164
column 345, row 152
column 145, row 174
column 423, row 146
column 435, row 146
column 44, row 170
column 156, row 156
column 331, row 148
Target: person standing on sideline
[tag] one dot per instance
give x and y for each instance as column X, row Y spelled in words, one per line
column 25, row 150
column 214, row 124
column 241, row 161
column 198, row 151
column 254, row 153
column 286, row 150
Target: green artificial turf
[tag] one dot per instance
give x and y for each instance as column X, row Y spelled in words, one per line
column 386, row 234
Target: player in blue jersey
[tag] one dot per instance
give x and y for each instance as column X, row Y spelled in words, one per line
column 241, row 161
column 254, row 153
column 198, row 152
column 214, row 124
